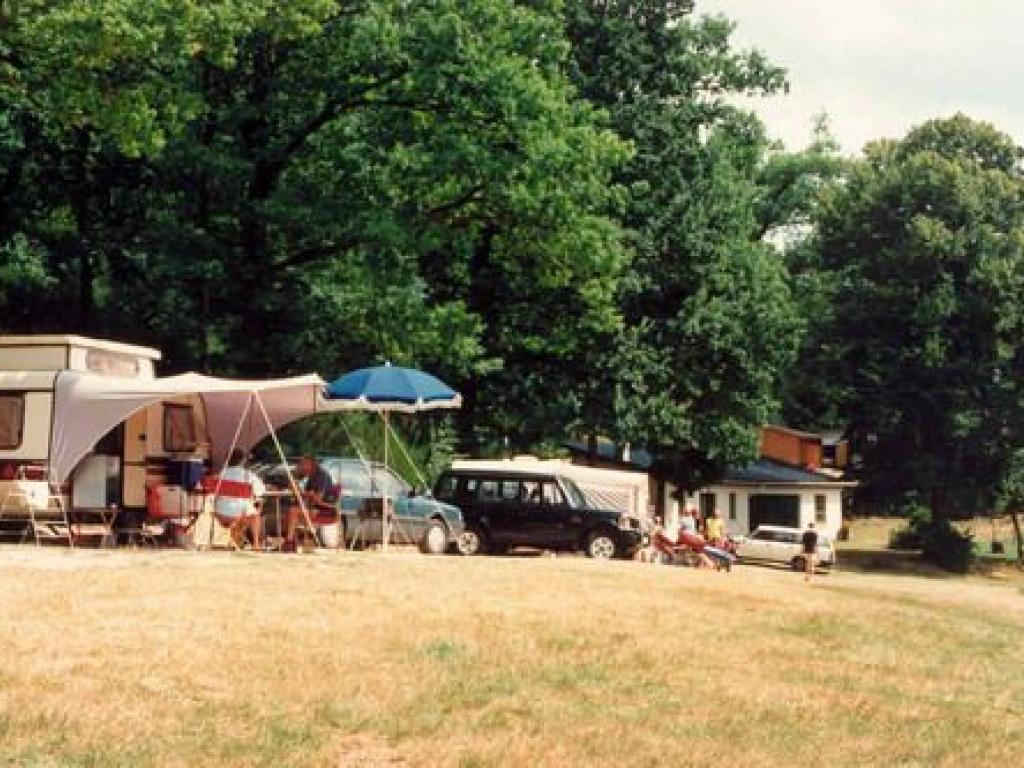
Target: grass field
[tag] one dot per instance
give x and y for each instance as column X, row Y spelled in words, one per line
column 174, row 658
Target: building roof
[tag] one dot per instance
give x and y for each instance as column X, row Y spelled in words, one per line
column 760, row 472
column 790, row 431
column 770, row 472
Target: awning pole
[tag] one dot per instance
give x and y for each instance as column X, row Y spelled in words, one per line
column 220, row 471
column 284, row 460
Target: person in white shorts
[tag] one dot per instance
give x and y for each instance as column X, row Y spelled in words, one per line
column 237, row 511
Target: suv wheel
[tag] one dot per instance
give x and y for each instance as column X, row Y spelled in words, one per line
column 472, row 541
column 435, row 538
column 600, row 546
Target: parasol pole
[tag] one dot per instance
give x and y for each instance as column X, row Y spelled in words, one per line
column 385, row 523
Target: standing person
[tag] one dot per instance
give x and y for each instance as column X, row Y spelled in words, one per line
column 714, row 529
column 318, row 493
column 810, row 542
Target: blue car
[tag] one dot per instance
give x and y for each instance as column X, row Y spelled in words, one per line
column 419, row 519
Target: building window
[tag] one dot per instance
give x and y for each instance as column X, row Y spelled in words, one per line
column 12, row 421
column 828, row 454
column 732, row 506
column 707, row 505
column 179, row 429
column 819, row 508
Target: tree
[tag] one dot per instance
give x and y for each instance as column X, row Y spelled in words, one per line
column 923, row 245
column 793, row 186
column 710, row 322
column 259, row 187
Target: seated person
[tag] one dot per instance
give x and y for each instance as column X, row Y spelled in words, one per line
column 688, row 522
column 317, row 492
column 238, row 511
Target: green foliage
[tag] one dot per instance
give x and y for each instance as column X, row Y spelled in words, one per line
column 710, row 322
column 262, row 188
column 911, row 536
column 945, row 546
column 553, row 205
column 921, row 252
column 939, row 542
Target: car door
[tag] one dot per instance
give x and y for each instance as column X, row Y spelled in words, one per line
column 464, row 496
column 493, row 512
column 541, row 514
column 565, row 521
column 758, row 546
column 408, row 525
column 779, row 548
column 790, row 545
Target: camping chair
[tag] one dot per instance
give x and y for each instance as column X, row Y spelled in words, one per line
column 325, row 514
column 47, row 513
column 214, row 486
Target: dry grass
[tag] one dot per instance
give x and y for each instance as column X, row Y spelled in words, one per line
column 171, row 658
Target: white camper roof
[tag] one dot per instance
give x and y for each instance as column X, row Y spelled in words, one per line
column 87, row 406
column 70, row 340
column 27, row 380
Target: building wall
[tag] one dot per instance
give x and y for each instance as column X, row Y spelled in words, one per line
column 790, row 448
column 740, row 524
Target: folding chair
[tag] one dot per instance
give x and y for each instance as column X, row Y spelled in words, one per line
column 32, row 495
column 234, row 490
column 327, row 513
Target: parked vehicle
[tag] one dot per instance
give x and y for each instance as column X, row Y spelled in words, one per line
column 433, row 525
column 778, row 544
column 503, row 509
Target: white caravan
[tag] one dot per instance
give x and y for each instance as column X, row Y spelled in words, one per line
column 87, row 427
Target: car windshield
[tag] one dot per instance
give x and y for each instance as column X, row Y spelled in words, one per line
column 577, row 499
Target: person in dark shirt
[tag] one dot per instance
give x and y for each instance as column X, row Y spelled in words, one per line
column 318, row 493
column 810, row 542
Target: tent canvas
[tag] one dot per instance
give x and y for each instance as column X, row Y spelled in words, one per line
column 87, row 406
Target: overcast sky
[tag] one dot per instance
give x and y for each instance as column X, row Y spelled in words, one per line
column 879, row 67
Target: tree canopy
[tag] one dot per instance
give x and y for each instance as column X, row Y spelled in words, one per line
column 552, row 204
column 710, row 322
column 557, row 206
column 922, row 249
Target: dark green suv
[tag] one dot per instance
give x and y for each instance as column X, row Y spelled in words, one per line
column 503, row 509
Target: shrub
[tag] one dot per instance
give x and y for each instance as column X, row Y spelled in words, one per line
column 945, row 546
column 911, row 536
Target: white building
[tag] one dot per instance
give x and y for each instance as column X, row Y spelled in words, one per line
column 767, row 491
column 772, row 493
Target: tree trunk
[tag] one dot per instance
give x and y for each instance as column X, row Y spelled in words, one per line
column 940, row 506
column 480, row 297
column 1017, row 535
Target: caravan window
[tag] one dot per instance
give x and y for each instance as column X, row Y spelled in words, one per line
column 112, row 364
column 12, row 420
column 179, row 428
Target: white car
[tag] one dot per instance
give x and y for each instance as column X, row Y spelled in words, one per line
column 776, row 544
